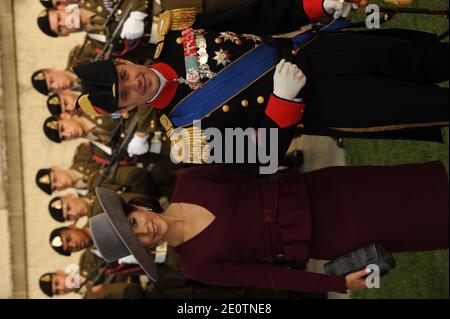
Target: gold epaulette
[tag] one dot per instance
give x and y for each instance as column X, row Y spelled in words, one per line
column 188, row 145
column 173, row 20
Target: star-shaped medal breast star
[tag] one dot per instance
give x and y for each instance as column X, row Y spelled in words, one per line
column 222, row 57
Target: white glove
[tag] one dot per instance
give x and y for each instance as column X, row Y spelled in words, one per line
column 288, row 80
column 138, row 145
column 338, row 9
column 133, row 28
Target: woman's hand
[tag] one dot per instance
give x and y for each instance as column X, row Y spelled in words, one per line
column 355, row 281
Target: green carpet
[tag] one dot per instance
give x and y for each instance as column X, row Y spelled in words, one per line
column 418, row 275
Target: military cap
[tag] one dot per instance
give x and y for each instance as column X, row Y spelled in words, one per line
column 39, row 82
column 45, row 283
column 100, row 80
column 44, row 24
column 43, row 180
column 51, row 129
column 55, row 207
column 48, row 4
column 54, row 104
column 56, row 241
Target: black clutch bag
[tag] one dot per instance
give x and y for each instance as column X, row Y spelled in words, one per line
column 359, row 259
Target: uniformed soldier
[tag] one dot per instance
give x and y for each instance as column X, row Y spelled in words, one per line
column 62, row 102
column 124, row 179
column 51, row 80
column 98, row 285
column 274, row 93
column 76, row 176
column 71, row 207
column 249, row 16
column 71, row 239
column 100, row 130
column 81, row 53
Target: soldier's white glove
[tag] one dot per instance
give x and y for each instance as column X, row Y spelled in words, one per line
column 288, row 80
column 338, row 9
column 133, row 28
column 138, row 145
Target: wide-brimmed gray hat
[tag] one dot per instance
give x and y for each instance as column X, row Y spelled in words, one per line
column 113, row 236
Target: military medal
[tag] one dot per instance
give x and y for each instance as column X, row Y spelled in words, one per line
column 252, row 37
column 222, row 57
column 191, row 59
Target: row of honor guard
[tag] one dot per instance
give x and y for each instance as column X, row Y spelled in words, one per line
column 133, row 178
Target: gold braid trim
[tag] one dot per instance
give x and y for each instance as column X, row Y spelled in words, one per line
column 183, row 19
column 189, row 146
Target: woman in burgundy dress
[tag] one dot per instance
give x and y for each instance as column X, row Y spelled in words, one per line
column 223, row 223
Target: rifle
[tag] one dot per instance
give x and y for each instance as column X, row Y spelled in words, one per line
column 118, row 149
column 109, row 44
column 105, row 26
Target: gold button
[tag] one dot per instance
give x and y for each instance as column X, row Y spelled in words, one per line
column 238, row 42
column 88, row 4
column 99, row 9
column 301, row 126
column 122, row 135
column 294, row 52
column 81, row 168
column 260, row 99
column 119, row 12
column 125, row 115
column 225, row 108
column 164, row 138
column 180, row 40
column 99, row 121
column 218, row 40
column 244, row 103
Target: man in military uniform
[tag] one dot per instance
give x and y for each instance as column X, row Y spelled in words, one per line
column 76, row 176
column 98, row 286
column 62, row 102
column 123, row 179
column 68, row 240
column 71, row 207
column 51, row 80
column 319, row 93
column 103, row 134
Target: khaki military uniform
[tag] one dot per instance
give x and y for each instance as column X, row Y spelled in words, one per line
column 83, row 163
column 79, row 55
column 113, row 286
column 101, row 137
column 101, row 12
column 126, row 179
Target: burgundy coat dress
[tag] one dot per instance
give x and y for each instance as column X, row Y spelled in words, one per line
column 321, row 214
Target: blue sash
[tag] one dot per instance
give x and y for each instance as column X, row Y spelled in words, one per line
column 237, row 76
